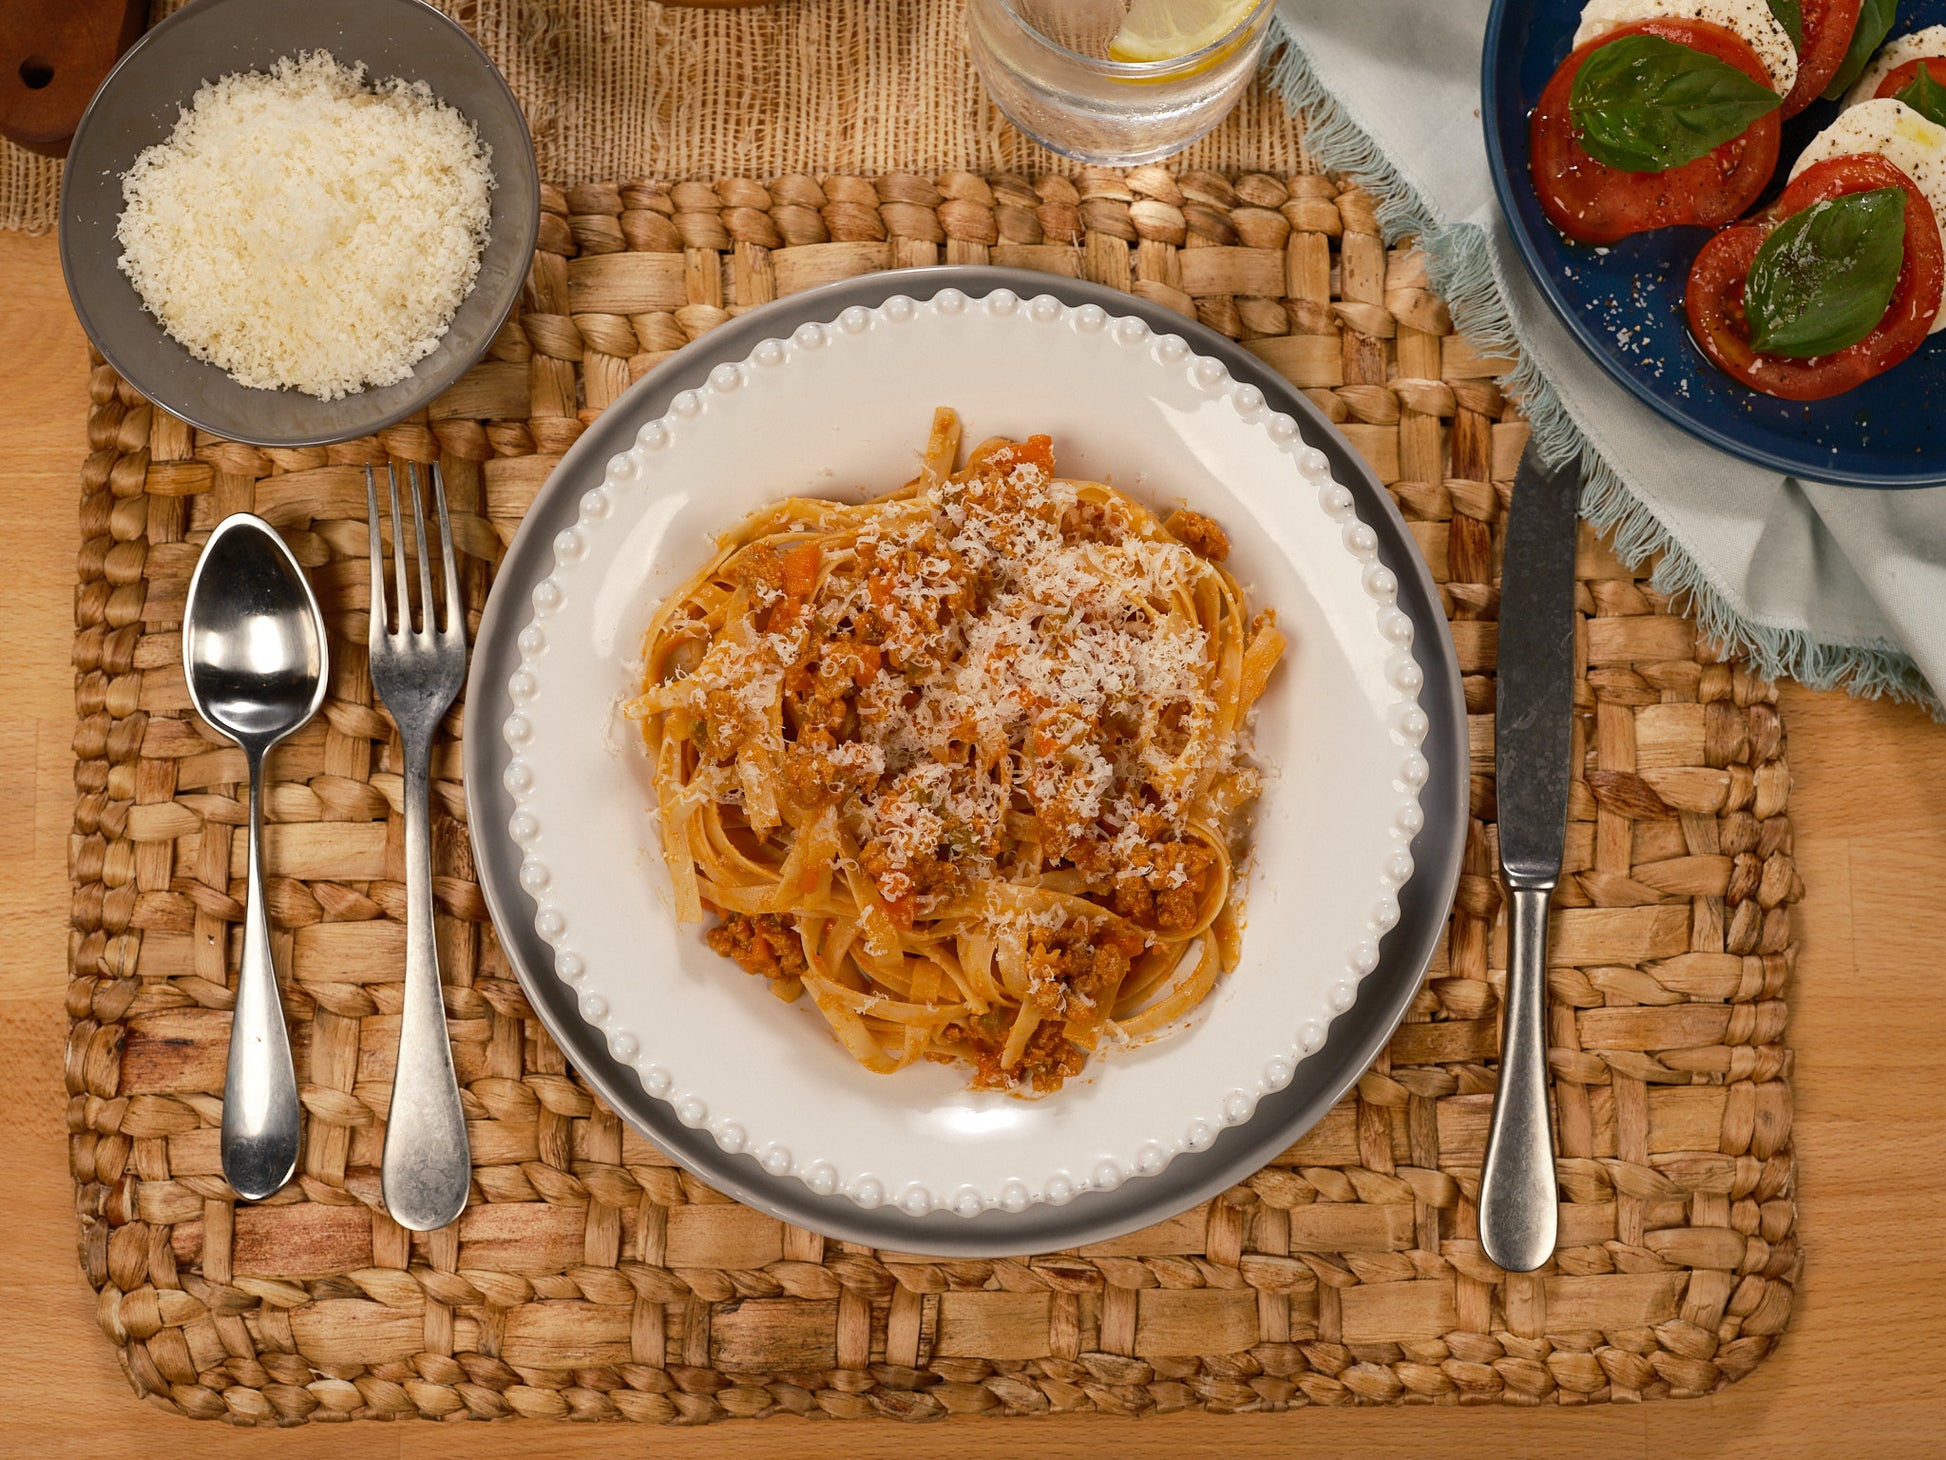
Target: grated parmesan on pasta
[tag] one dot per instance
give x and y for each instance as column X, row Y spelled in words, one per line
column 305, row 228
column 964, row 762
column 1064, row 635
column 1016, row 617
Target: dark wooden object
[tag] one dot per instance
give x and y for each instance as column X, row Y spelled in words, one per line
column 53, row 54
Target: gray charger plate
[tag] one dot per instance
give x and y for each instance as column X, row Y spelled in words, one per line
column 1355, row 1037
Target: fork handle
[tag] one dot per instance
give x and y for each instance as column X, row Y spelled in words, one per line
column 427, row 1164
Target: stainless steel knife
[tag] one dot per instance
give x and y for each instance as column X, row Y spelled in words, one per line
column 1533, row 735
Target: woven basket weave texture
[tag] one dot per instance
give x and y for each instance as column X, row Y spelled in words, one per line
column 590, row 1277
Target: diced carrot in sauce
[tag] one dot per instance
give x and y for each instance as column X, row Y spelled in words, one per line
column 1035, row 450
column 801, row 570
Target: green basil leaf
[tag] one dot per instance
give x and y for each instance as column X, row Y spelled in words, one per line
column 1875, row 19
column 1644, row 104
column 1925, row 95
column 1790, row 15
column 1823, row 278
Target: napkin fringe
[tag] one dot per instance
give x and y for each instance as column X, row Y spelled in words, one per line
column 1459, row 267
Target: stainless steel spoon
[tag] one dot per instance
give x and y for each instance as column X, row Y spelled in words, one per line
column 253, row 650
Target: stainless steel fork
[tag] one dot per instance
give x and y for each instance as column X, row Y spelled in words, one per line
column 417, row 673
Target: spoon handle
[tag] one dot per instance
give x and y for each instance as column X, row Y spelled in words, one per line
column 427, row 1165
column 260, row 1089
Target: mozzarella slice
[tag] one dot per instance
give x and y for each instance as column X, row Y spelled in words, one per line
column 1750, row 20
column 1902, row 137
column 1921, row 43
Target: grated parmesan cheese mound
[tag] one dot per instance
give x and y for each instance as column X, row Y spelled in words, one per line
column 1026, row 656
column 303, row 228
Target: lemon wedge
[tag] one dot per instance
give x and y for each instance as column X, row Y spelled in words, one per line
column 1162, row 30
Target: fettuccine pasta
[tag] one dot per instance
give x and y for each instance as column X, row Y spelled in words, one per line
column 962, row 763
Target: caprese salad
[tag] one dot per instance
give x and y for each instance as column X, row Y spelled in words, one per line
column 1668, row 112
column 1841, row 278
column 1897, row 67
column 1665, row 112
column 1834, row 283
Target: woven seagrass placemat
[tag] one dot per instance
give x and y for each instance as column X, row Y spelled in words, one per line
column 589, row 1277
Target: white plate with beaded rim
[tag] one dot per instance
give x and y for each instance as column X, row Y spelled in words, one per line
column 840, row 410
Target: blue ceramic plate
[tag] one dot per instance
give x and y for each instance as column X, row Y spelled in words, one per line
column 1624, row 302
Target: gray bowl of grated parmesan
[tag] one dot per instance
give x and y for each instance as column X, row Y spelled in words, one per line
column 292, row 225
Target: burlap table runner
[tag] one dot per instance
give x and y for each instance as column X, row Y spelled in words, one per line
column 629, row 88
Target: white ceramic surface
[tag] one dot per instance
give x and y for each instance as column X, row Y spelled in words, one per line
column 840, row 410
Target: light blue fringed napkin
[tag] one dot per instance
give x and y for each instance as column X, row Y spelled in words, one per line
column 1834, row 585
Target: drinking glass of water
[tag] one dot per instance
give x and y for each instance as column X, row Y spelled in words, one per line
column 1118, row 82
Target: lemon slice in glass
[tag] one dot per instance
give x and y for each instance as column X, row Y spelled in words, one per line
column 1163, row 30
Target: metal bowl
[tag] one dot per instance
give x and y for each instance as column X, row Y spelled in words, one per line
column 137, row 106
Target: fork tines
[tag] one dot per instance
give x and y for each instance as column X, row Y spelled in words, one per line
column 453, row 624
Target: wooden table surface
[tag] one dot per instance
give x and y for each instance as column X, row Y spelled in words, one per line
column 1854, row 1375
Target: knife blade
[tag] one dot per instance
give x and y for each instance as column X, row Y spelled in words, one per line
column 1533, row 745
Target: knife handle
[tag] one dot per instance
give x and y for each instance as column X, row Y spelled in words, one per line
column 1519, row 1201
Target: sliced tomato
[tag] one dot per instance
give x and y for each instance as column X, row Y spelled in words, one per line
column 1828, row 25
column 1901, row 77
column 1714, row 297
column 1594, row 203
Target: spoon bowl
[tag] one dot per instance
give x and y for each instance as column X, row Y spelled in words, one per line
column 253, row 639
column 253, row 652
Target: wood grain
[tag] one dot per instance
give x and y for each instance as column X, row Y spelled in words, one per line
column 53, row 55
column 1852, row 1376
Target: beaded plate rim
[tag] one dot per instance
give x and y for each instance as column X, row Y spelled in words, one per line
column 727, row 390
column 1384, row 998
